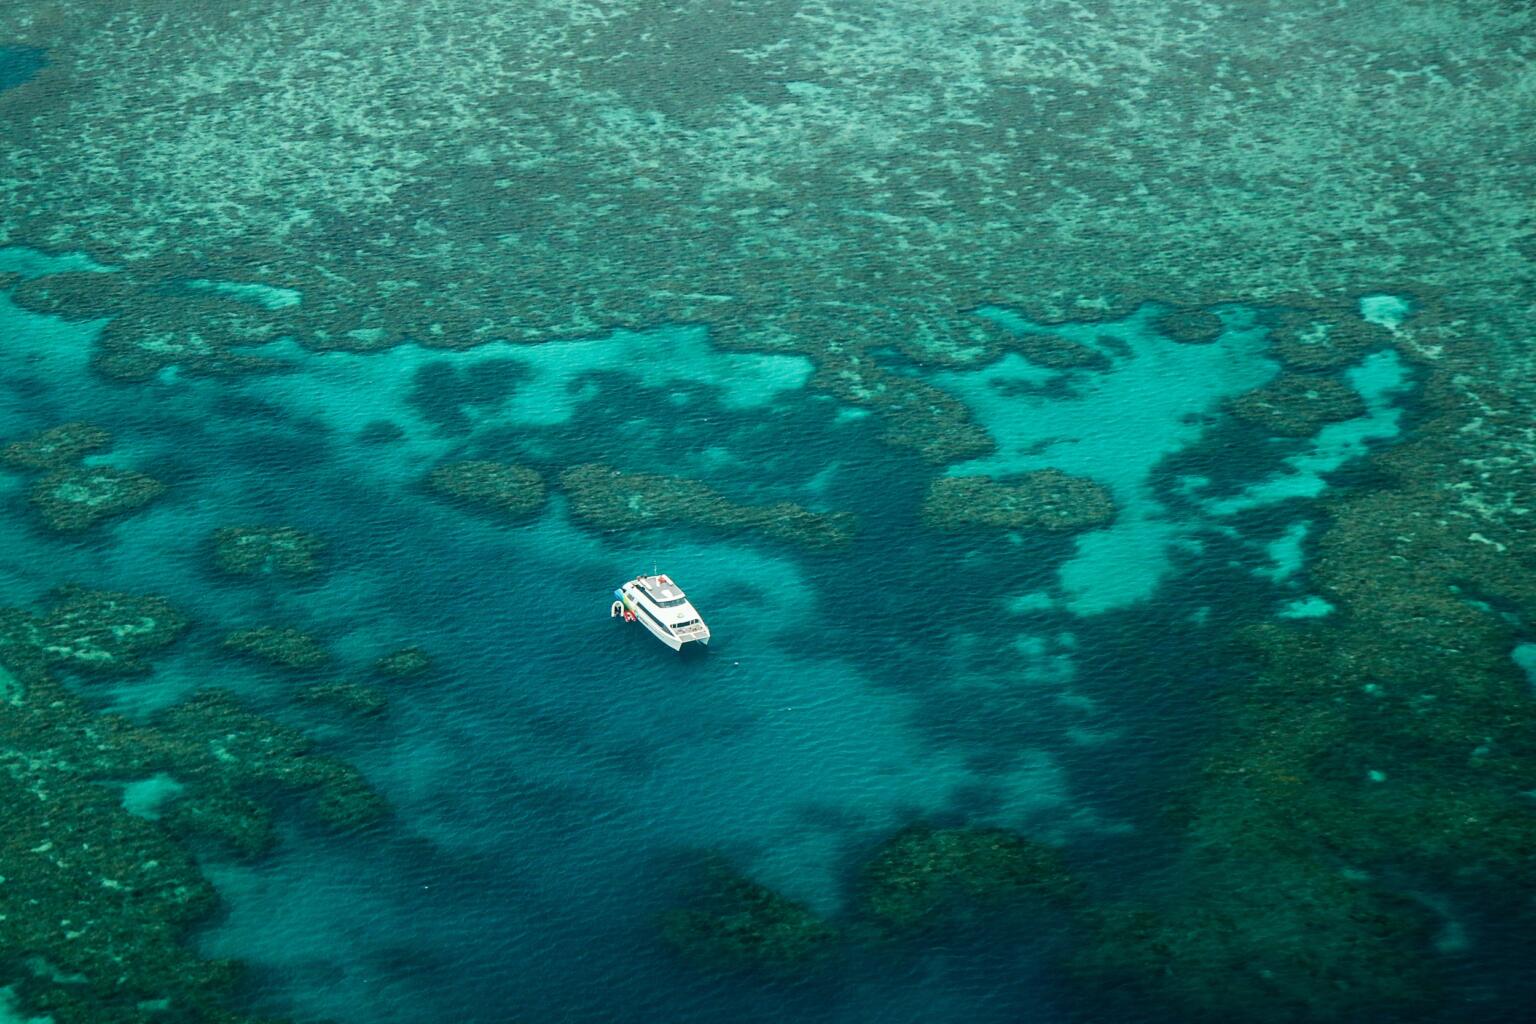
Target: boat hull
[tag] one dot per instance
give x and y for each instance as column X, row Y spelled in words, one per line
column 628, row 605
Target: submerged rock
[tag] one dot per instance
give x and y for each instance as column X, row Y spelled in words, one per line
column 733, row 923
column 923, row 877
column 70, row 500
column 605, row 497
column 55, row 447
column 1298, row 405
column 288, row 647
column 1046, row 499
column 498, row 486
column 267, row 550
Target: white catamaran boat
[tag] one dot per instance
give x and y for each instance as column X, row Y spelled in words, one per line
column 660, row 606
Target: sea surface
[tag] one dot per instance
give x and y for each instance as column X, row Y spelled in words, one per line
column 551, row 773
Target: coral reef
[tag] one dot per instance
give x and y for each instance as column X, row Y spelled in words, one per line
column 1375, row 755
column 349, row 698
column 1046, row 499
column 256, row 753
column 922, row 877
column 1298, row 405
column 605, row 497
column 511, row 490
column 1322, row 336
column 98, row 632
column 267, row 551
column 953, row 212
column 1189, row 326
column 99, row 902
column 284, row 646
column 1056, row 353
column 198, row 336
column 56, row 447
column 732, row 923
column 71, row 500
column 404, row 663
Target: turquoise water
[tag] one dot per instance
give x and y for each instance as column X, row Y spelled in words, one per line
column 542, row 779
column 1270, row 711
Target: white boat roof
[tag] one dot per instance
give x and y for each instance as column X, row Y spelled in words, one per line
column 661, row 588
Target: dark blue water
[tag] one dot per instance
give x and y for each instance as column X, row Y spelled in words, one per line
column 18, row 64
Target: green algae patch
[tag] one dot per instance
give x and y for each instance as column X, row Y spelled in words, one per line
column 732, row 923
column 278, row 645
column 72, row 500
column 406, row 663
column 56, row 447
column 1045, row 499
column 267, row 551
column 923, row 877
column 503, row 488
column 604, row 497
column 1298, row 405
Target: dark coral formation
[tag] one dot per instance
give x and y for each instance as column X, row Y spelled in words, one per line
column 267, row 551
column 71, row 500
column 56, row 447
column 1046, row 499
column 1298, row 405
column 732, row 923
column 1264, row 935
column 1189, row 326
column 284, row 646
column 922, row 877
column 1057, row 353
column 511, row 490
column 255, row 754
column 97, row 632
column 346, row 697
column 605, row 497
column 99, row 902
column 78, row 294
column 199, row 336
column 404, row 663
column 1313, row 336
column 1376, row 755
